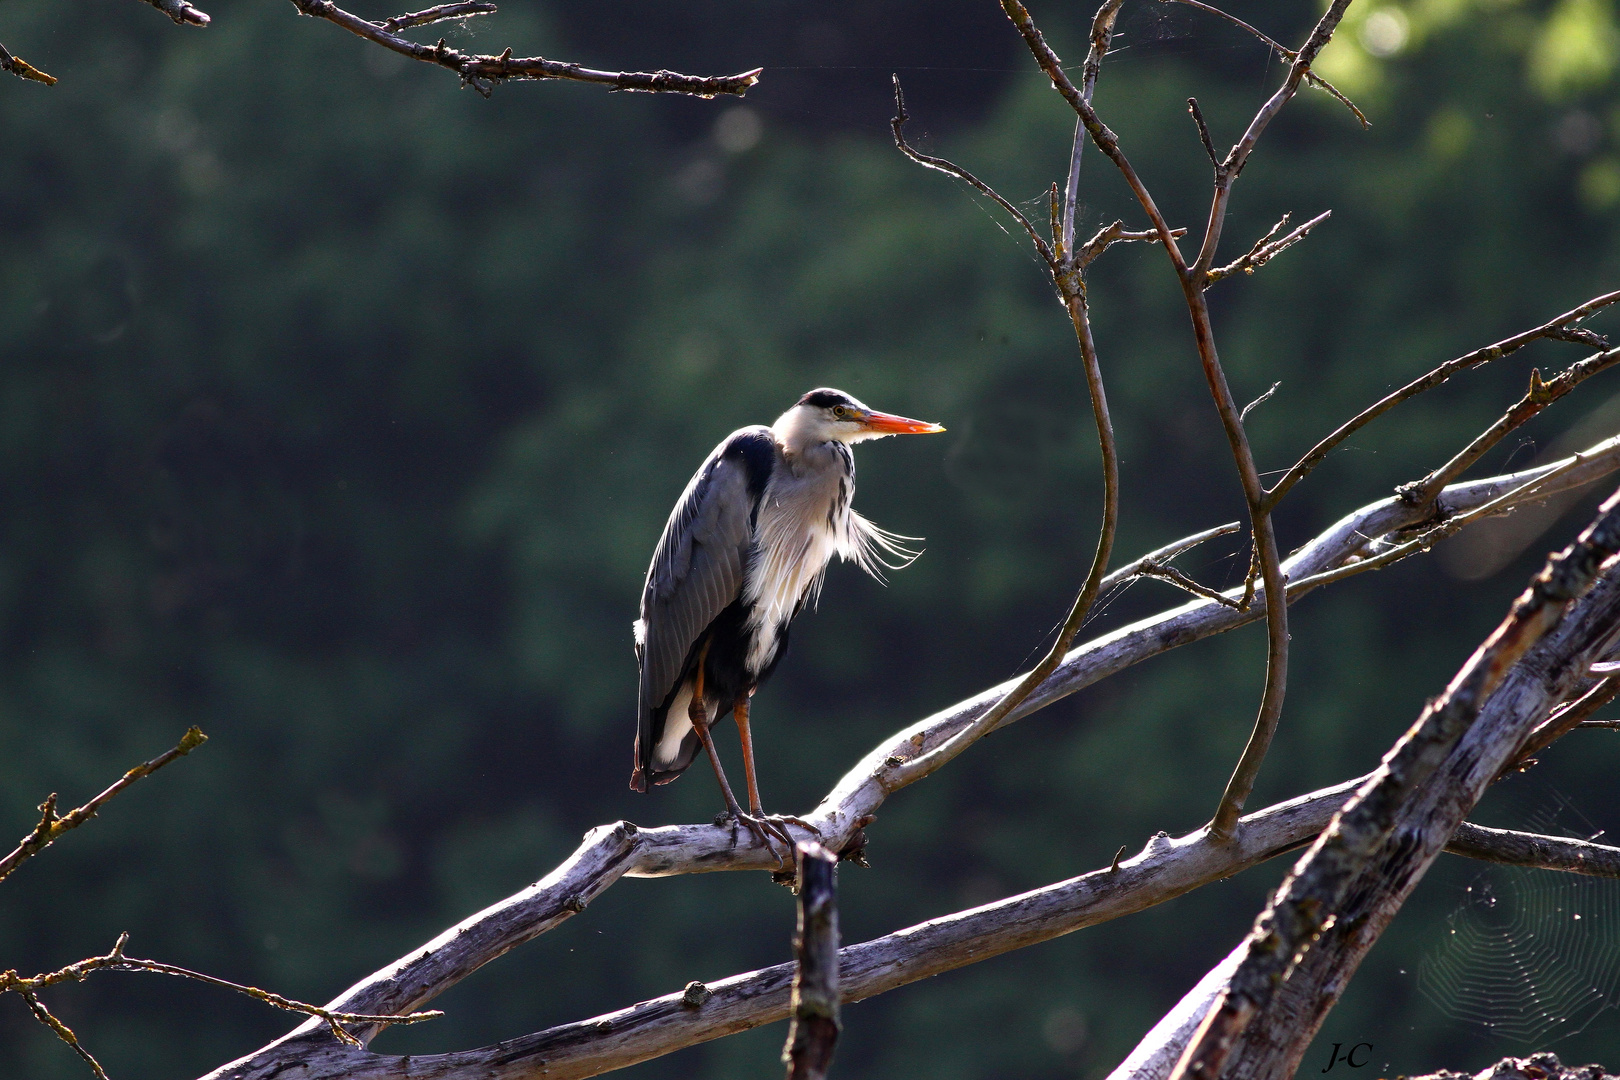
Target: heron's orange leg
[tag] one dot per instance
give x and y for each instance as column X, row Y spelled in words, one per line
column 699, row 715
column 740, row 711
column 777, row 822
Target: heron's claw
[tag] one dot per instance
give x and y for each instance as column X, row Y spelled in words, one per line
column 766, row 831
column 784, row 820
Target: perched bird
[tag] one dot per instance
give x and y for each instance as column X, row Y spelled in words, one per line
column 744, row 550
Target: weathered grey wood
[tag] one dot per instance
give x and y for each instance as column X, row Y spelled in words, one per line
column 612, row 851
column 814, row 1003
column 1270, row 1044
column 1277, row 1037
column 1166, row 868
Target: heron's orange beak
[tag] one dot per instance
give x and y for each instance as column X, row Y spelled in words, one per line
column 888, row 424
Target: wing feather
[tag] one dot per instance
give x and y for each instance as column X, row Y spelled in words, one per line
column 697, row 570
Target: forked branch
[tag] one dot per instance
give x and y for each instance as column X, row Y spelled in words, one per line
column 1428, row 381
column 1540, row 395
column 614, row 851
column 1312, row 900
column 1266, row 248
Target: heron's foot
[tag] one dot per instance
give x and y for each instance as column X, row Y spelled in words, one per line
column 784, row 820
column 767, row 832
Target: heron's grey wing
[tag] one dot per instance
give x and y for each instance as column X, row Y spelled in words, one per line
column 700, row 563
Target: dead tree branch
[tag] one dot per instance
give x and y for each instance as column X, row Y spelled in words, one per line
column 181, row 12
column 1067, row 279
column 482, row 72
column 1165, row 869
column 1162, row 556
column 1194, row 280
column 1313, row 900
column 23, row 69
column 815, row 1000
column 52, row 826
column 440, row 13
column 1266, row 248
column 1428, row 381
column 1286, row 53
column 116, row 960
column 611, row 852
column 1537, row 398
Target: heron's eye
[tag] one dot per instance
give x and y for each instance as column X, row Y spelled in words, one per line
column 840, row 412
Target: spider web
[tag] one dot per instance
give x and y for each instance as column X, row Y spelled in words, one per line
column 1531, row 956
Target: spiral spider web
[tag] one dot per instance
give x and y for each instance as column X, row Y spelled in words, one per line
column 1530, row 955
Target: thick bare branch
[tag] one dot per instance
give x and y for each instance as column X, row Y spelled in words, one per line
column 1380, row 555
column 1429, row 381
column 1312, row 900
column 1166, row 868
column 1567, row 718
column 483, row 71
column 51, row 826
column 613, row 851
column 815, row 999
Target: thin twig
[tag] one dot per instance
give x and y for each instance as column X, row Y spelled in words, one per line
column 63, row 1032
column 115, row 960
column 1109, row 235
column 1102, row 32
column 1257, row 402
column 1266, row 249
column 181, row 12
column 1177, row 578
column 1538, row 397
column 51, row 826
column 1429, row 381
column 1612, row 725
column 23, row 69
column 1289, row 54
column 481, row 72
column 439, row 13
column 1161, row 556
column 1105, row 139
column 1203, row 133
column 1265, row 556
column 928, row 161
column 1563, row 720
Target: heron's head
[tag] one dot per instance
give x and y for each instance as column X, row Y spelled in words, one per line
column 827, row 415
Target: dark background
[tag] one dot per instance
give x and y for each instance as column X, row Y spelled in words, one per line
column 340, row 410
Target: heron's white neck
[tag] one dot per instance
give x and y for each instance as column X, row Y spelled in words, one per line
column 800, row 428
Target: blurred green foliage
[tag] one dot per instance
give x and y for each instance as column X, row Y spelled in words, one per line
column 340, row 411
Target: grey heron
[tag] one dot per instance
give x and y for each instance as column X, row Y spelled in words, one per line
column 743, row 552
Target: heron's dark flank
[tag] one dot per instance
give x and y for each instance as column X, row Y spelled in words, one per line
column 743, row 552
